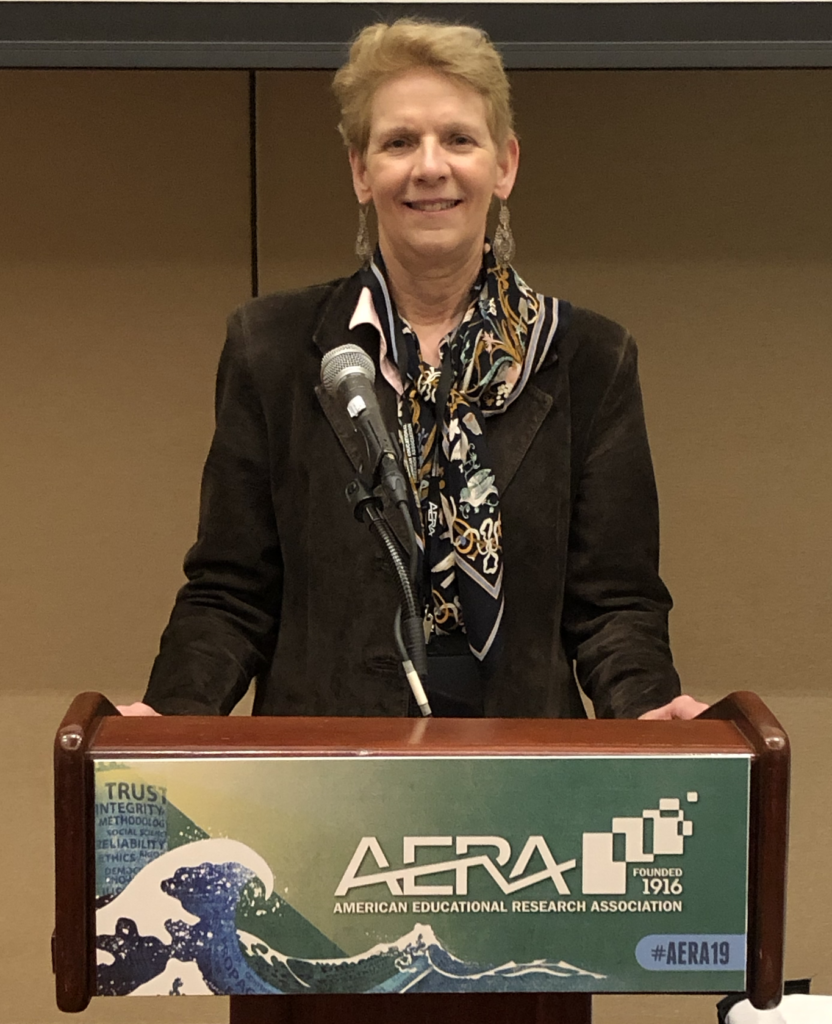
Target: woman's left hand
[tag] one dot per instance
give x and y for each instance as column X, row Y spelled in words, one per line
column 680, row 707
column 138, row 710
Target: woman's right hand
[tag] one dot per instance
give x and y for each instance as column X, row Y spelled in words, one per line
column 138, row 710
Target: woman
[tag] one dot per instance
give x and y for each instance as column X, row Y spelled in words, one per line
column 531, row 484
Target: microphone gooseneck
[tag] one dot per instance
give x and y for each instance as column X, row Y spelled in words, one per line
column 348, row 373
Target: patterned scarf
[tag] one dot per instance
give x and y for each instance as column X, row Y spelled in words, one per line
column 487, row 360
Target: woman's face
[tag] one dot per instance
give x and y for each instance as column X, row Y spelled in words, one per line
column 431, row 168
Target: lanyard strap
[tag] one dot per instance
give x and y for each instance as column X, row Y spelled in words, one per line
column 430, row 520
column 443, row 391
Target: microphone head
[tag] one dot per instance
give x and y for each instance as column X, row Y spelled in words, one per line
column 341, row 362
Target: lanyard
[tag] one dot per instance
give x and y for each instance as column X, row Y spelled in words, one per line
column 429, row 512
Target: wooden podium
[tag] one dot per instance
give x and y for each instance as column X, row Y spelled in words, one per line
column 709, row 890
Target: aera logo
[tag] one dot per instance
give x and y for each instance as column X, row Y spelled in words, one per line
column 604, row 873
column 404, row 881
column 659, row 831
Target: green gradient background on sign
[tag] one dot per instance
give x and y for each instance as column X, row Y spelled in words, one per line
column 305, row 817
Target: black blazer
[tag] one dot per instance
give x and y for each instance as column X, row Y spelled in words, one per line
column 285, row 586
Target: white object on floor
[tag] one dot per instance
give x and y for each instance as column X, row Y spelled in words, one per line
column 796, row 1009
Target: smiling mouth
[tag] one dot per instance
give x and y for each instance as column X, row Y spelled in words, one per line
column 433, row 205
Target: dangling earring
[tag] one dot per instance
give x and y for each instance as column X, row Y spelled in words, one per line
column 363, row 244
column 503, row 245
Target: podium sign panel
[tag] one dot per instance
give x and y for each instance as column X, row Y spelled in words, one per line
column 378, row 874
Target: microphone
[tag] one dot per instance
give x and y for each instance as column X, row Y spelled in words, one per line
column 348, row 372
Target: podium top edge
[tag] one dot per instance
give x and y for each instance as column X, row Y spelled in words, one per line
column 194, row 737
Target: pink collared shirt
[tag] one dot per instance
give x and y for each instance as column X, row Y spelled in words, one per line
column 365, row 313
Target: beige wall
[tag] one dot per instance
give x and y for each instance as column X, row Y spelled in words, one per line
column 124, row 242
column 691, row 206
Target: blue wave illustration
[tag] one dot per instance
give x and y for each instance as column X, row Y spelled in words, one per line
column 417, row 962
column 179, row 935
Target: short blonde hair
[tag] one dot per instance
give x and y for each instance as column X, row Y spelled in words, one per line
column 381, row 52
